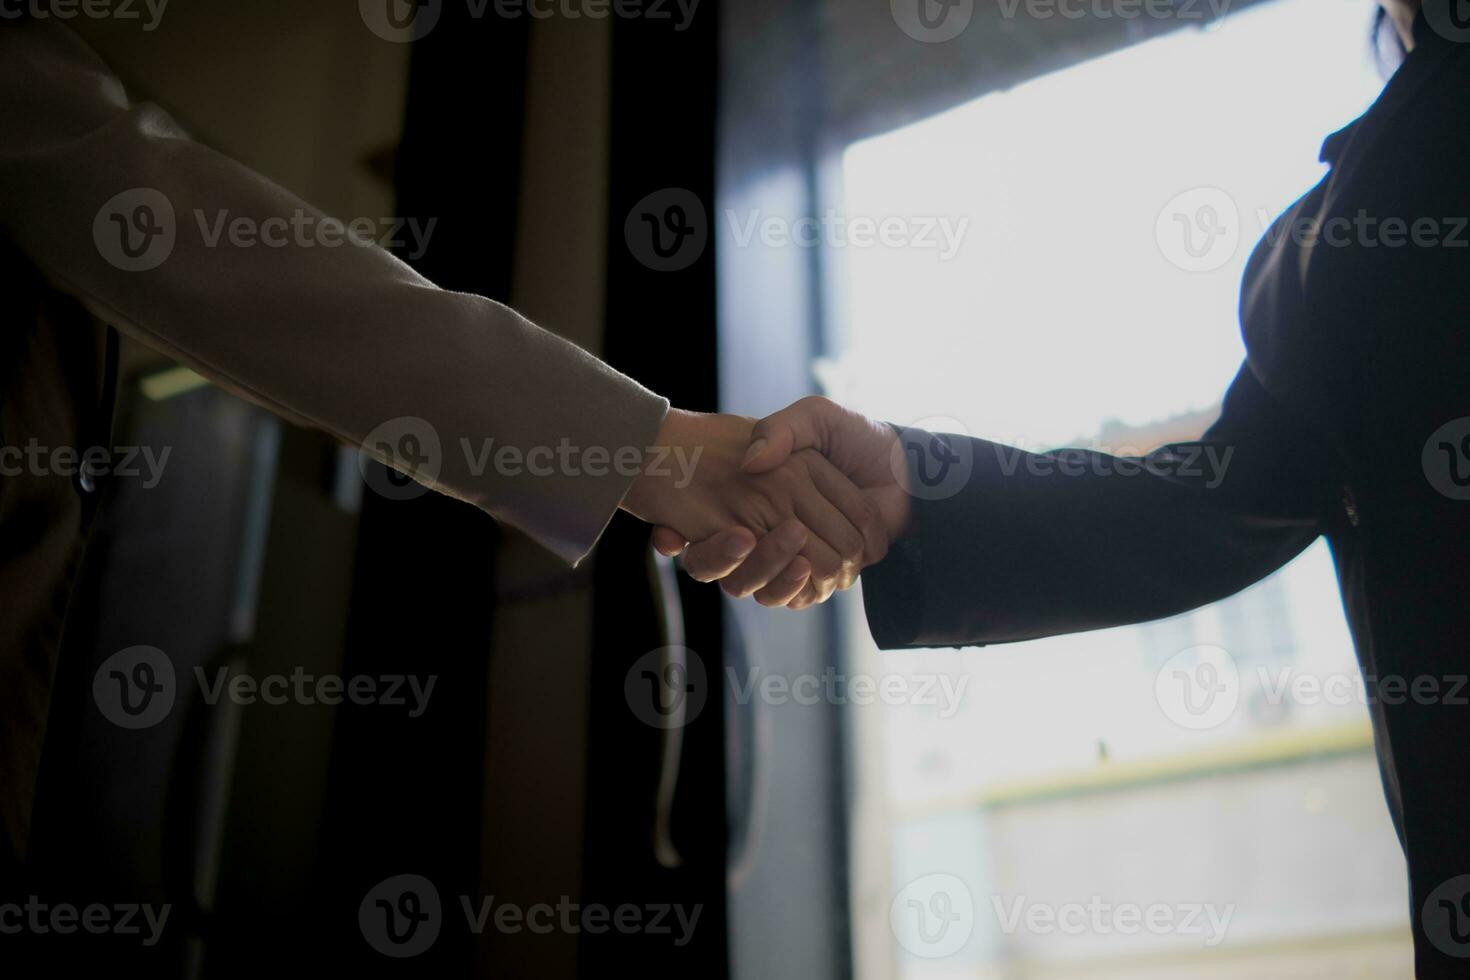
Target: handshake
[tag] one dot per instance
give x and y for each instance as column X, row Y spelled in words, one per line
column 787, row 509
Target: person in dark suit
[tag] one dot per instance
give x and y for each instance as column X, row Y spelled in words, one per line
column 1349, row 419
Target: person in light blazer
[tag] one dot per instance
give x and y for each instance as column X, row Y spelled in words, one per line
column 340, row 339
column 1349, row 419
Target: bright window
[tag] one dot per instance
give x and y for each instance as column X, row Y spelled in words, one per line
column 1037, row 299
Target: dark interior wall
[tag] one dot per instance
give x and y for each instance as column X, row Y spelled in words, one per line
column 532, row 834
column 519, row 781
column 305, row 95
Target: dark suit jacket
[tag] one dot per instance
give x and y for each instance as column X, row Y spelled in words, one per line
column 1334, row 425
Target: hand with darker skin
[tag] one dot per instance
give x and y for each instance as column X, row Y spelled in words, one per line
column 862, row 450
column 794, row 526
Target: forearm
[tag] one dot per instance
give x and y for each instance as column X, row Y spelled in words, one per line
column 1029, row 545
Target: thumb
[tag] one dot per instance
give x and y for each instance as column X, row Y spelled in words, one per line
column 798, row 426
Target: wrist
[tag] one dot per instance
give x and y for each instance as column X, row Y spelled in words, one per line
column 693, row 454
column 647, row 496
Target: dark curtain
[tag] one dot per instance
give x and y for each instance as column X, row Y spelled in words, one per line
column 406, row 792
column 661, row 329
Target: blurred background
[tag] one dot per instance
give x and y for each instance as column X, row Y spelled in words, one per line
column 1019, row 219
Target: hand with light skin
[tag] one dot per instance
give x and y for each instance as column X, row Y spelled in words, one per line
column 794, row 526
column 863, row 450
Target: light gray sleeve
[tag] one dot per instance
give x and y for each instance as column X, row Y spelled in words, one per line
column 119, row 208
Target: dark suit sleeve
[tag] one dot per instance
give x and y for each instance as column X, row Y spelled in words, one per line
column 1009, row 545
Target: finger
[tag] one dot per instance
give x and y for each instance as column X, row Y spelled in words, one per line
column 668, row 542
column 829, row 571
column 839, row 565
column 716, row 557
column 772, row 554
column 787, row 585
column 805, row 598
column 855, row 505
column 801, row 425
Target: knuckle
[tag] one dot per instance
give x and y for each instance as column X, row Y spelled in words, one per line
column 816, row 403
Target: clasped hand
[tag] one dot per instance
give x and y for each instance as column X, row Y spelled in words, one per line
column 787, row 510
